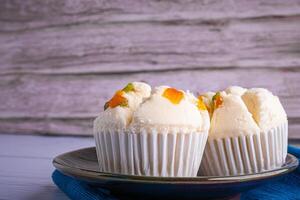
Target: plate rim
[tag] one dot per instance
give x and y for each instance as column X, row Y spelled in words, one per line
column 96, row 176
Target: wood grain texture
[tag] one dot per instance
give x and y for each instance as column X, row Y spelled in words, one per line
column 60, row 103
column 60, row 60
column 26, row 165
column 112, row 36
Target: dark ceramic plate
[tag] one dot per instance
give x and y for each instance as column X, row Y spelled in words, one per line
column 82, row 164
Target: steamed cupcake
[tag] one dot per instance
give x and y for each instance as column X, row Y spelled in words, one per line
column 248, row 133
column 159, row 134
column 115, row 118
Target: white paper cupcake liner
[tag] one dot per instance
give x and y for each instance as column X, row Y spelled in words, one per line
column 150, row 153
column 245, row 154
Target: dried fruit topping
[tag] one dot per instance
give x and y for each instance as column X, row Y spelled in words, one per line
column 173, row 95
column 106, row 105
column 128, row 88
column 117, row 100
column 217, row 100
column 201, row 105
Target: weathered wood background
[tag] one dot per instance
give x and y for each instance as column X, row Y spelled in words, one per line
column 60, row 60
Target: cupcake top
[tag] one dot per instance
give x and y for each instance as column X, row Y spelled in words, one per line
column 231, row 117
column 169, row 107
column 119, row 109
column 266, row 108
column 239, row 111
column 236, row 90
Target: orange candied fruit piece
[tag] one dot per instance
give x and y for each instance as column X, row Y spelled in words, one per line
column 116, row 100
column 173, row 95
column 201, row 105
column 217, row 100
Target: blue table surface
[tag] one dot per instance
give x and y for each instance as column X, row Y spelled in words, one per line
column 26, row 165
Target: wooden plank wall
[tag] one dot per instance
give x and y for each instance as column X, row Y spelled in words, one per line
column 60, row 60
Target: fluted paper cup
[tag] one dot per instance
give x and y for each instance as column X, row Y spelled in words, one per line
column 150, row 152
column 245, row 154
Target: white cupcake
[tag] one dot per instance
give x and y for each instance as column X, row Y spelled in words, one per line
column 165, row 136
column 115, row 119
column 248, row 133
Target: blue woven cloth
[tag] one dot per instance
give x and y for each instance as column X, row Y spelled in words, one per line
column 287, row 188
